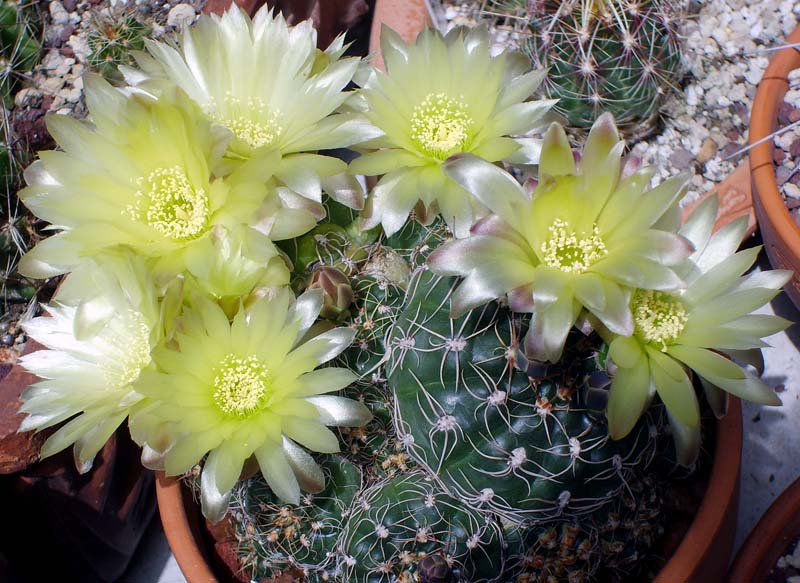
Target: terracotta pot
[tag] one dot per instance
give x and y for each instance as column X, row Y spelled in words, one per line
column 780, row 232
column 701, row 557
column 769, row 540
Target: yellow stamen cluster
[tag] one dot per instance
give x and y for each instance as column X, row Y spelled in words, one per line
column 566, row 251
column 440, row 126
column 168, row 202
column 134, row 351
column 249, row 120
column 659, row 317
column 240, row 385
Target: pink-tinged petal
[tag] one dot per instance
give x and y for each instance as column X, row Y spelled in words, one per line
column 309, row 475
column 534, row 339
column 660, row 246
column 556, row 324
column 520, row 299
column 617, row 315
column 494, row 226
column 589, row 289
column 340, row 411
column 549, row 286
column 492, row 186
column 602, row 139
column 278, row 473
column 687, row 440
column 216, row 471
column 345, row 189
column 393, row 201
column 557, row 158
column 629, row 398
column 528, row 154
column 638, row 273
column 488, row 283
column 479, row 253
column 625, row 351
column 674, row 387
column 323, row 347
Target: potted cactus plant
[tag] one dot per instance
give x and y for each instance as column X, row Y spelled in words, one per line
column 515, row 369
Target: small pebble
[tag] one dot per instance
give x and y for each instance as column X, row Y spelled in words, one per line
column 7, row 340
column 791, row 190
column 707, row 151
column 782, row 174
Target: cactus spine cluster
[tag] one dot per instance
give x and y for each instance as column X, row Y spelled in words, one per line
column 618, row 56
column 477, row 465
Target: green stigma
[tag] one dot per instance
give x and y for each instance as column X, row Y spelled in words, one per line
column 569, row 252
column 167, row 202
column 440, row 126
column 659, row 317
column 240, row 385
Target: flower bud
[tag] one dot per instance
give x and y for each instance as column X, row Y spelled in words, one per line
column 337, row 289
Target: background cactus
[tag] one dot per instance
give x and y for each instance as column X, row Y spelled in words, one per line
column 19, row 53
column 620, row 56
column 112, row 40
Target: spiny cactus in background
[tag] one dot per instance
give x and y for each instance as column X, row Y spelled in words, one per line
column 620, row 56
column 19, row 49
column 112, row 41
column 19, row 53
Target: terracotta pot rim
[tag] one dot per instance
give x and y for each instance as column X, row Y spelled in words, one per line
column 720, row 498
column 768, row 540
column 774, row 83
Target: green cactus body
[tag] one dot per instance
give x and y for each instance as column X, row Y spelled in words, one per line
column 607, row 547
column 276, row 536
column 112, row 42
column 375, row 443
column 499, row 440
column 398, row 522
column 603, row 55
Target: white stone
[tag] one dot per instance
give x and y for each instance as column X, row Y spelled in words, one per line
column 58, row 13
column 791, row 190
column 181, row 15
